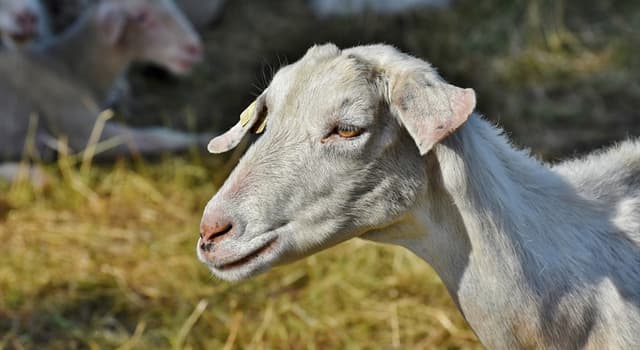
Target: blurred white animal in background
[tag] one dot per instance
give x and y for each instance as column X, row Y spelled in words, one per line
column 63, row 81
column 22, row 22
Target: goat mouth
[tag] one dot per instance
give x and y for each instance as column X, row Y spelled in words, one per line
column 267, row 247
column 20, row 37
column 183, row 64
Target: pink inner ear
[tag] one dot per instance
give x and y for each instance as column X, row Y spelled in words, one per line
column 428, row 132
column 463, row 105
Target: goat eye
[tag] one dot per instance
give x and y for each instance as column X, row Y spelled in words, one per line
column 348, row 131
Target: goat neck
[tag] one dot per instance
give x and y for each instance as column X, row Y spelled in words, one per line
column 519, row 249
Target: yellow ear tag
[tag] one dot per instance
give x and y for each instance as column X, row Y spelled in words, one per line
column 246, row 115
column 260, row 129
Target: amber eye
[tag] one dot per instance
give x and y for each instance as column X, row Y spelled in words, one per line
column 348, row 131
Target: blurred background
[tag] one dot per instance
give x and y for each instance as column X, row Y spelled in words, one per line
column 102, row 256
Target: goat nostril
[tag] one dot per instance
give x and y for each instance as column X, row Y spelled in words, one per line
column 193, row 49
column 215, row 235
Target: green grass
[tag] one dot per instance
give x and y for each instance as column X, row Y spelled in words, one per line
column 106, row 259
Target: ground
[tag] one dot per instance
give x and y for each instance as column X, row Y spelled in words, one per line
column 106, row 259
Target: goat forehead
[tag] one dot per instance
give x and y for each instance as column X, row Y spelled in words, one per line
column 317, row 85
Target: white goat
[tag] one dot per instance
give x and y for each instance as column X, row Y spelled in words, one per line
column 22, row 22
column 65, row 79
column 533, row 257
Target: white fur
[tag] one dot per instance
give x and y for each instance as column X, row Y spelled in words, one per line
column 10, row 25
column 534, row 256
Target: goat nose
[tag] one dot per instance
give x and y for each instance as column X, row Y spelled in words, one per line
column 213, row 234
column 194, row 49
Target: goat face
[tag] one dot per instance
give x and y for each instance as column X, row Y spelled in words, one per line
column 338, row 157
column 21, row 22
column 150, row 30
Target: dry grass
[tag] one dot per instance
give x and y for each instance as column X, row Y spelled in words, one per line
column 105, row 259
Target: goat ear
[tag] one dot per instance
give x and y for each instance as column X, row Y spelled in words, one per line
column 256, row 112
column 429, row 108
column 112, row 20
